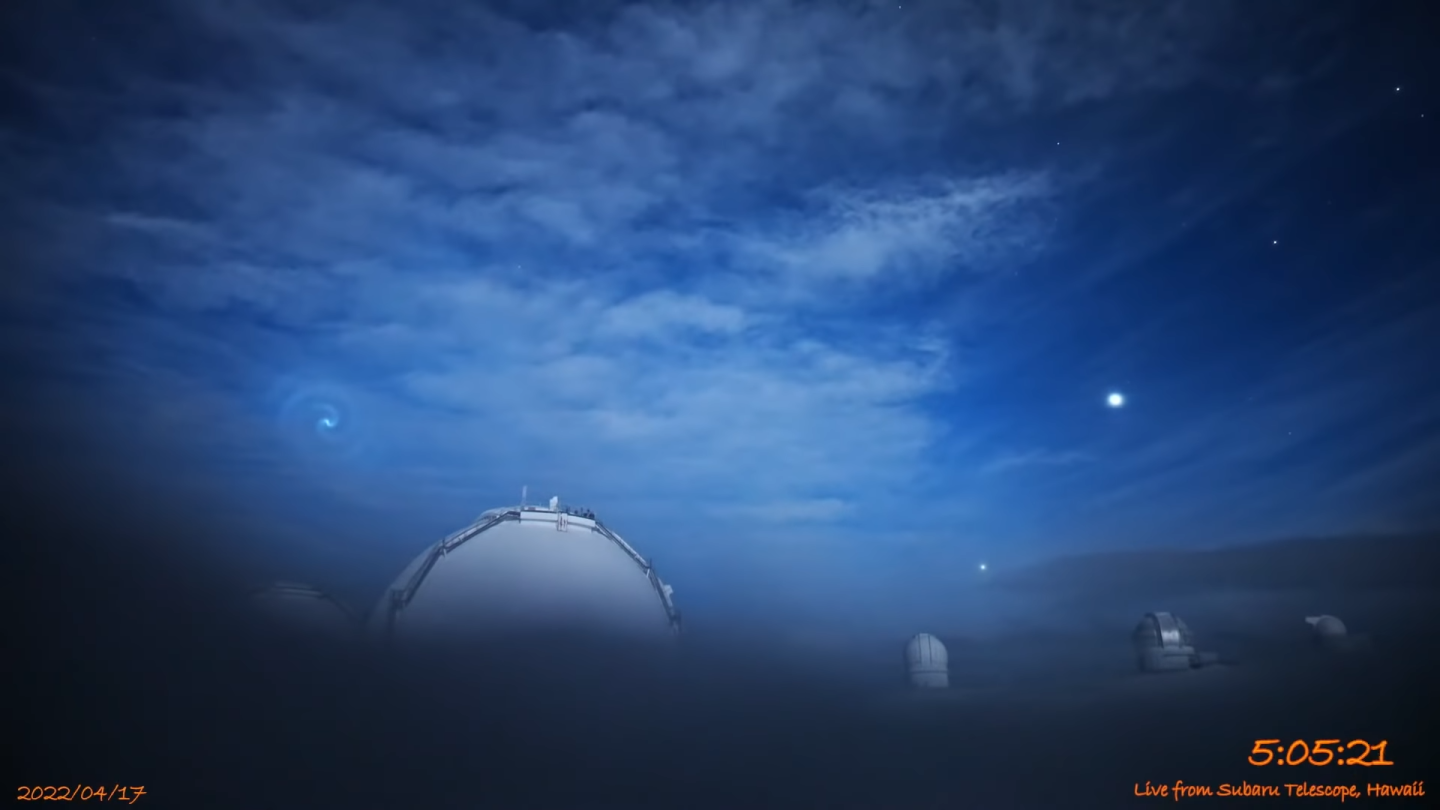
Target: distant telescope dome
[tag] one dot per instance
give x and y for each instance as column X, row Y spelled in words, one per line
column 526, row 568
column 928, row 662
column 302, row 609
column 1326, row 626
column 1163, row 643
column 1331, row 633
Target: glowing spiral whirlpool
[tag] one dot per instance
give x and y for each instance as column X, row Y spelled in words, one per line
column 320, row 419
column 327, row 418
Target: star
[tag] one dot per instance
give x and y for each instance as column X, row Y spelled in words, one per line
column 1115, row 400
column 984, row 567
column 1274, row 241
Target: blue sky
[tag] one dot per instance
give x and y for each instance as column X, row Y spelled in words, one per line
column 811, row 301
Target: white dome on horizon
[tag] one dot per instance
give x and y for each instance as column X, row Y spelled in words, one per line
column 521, row 569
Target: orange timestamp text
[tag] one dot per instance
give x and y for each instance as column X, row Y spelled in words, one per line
column 1319, row 753
column 124, row 794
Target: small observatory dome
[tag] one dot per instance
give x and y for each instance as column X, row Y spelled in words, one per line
column 1163, row 643
column 928, row 662
column 1332, row 634
column 1326, row 627
column 523, row 568
column 304, row 610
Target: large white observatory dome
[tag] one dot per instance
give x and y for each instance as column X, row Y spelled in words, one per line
column 928, row 662
column 293, row 607
column 523, row 568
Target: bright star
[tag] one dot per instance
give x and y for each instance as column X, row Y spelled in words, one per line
column 1115, row 400
column 984, row 567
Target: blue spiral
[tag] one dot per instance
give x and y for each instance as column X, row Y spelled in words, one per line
column 327, row 420
column 320, row 419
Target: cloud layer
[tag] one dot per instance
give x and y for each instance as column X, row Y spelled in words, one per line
column 602, row 242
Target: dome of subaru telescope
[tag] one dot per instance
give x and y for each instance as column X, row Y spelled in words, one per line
column 527, row 568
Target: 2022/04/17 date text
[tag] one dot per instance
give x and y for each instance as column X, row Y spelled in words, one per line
column 124, row 794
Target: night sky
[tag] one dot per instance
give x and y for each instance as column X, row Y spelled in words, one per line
column 820, row 304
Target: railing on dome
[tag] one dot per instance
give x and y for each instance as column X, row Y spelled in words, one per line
column 671, row 613
column 401, row 597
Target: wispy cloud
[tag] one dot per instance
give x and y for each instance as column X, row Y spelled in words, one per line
column 959, row 227
column 660, row 314
column 824, row 510
column 1012, row 461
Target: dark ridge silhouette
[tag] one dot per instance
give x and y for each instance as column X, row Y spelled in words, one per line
column 1380, row 561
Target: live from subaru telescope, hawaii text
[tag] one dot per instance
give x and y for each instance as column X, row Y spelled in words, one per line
column 1183, row 790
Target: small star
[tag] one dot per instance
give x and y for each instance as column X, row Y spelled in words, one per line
column 1274, row 241
column 984, row 567
column 1397, row 89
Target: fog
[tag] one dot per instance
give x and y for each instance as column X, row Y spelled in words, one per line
column 141, row 669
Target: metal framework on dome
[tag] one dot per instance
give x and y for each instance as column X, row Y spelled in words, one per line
column 401, row 597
